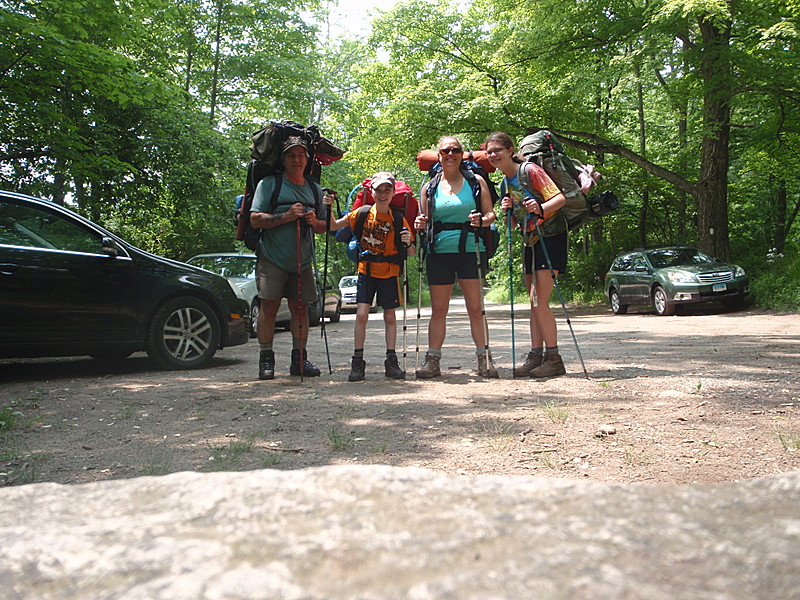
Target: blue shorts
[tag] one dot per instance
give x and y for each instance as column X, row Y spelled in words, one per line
column 444, row 269
column 556, row 250
column 386, row 289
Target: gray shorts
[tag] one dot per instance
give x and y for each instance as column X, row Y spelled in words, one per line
column 274, row 283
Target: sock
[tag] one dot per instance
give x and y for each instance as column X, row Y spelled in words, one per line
column 538, row 350
column 481, row 351
column 436, row 353
column 296, row 343
column 265, row 346
column 358, row 353
column 390, row 353
column 551, row 349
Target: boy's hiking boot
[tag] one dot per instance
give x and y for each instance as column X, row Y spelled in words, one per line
column 486, row 366
column 551, row 366
column 393, row 370
column 357, row 369
column 430, row 367
column 533, row 360
column 309, row 370
column 266, row 364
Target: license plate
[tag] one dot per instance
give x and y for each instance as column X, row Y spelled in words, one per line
column 719, row 287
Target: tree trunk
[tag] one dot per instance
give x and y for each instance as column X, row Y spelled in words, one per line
column 217, row 51
column 711, row 191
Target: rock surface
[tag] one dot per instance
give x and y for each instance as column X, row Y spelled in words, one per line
column 379, row 532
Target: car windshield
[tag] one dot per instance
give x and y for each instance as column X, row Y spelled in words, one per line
column 348, row 281
column 228, row 266
column 672, row 257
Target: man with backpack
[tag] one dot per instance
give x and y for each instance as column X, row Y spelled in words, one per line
column 287, row 221
column 385, row 241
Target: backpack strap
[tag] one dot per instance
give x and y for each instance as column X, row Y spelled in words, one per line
column 465, row 227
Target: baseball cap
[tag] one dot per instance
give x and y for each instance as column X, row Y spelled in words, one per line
column 380, row 178
column 292, row 141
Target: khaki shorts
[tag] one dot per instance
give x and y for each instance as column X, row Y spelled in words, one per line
column 274, row 283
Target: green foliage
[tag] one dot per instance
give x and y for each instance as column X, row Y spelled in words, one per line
column 778, row 285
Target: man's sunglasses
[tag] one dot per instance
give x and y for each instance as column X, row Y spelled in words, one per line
column 451, row 150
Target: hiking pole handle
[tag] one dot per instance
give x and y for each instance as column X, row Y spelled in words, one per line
column 402, row 231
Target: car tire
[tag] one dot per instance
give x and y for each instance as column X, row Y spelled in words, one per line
column 255, row 309
column 663, row 307
column 183, row 334
column 616, row 306
column 337, row 315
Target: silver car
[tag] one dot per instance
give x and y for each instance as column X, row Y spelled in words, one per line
column 240, row 270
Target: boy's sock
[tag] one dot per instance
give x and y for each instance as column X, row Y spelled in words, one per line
column 358, row 353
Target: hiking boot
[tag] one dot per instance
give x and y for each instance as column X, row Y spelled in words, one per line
column 393, row 370
column 430, row 367
column 551, row 366
column 309, row 370
column 486, row 366
column 266, row 364
column 357, row 369
column 533, row 360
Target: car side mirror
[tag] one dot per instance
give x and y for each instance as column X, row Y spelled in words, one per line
column 110, row 247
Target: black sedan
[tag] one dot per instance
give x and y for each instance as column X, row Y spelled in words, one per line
column 70, row 287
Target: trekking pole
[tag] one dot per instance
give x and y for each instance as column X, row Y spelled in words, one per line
column 480, row 283
column 405, row 290
column 405, row 300
column 325, row 276
column 420, row 261
column 511, row 292
column 300, row 299
column 558, row 289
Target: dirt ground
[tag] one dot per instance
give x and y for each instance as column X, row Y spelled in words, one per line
column 705, row 396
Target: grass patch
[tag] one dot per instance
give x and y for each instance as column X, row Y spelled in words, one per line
column 341, row 441
column 789, row 441
column 159, row 465
column 556, row 413
column 225, row 457
column 635, row 456
column 24, row 469
column 495, row 432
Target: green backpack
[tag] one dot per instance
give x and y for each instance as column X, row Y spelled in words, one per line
column 572, row 177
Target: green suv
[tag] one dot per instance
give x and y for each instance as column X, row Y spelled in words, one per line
column 672, row 275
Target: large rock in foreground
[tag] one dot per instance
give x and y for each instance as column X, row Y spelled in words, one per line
column 382, row 532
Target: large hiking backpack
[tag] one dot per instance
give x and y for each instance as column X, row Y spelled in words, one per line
column 573, row 178
column 474, row 164
column 403, row 202
column 265, row 155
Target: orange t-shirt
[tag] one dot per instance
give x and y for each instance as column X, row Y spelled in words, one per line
column 377, row 237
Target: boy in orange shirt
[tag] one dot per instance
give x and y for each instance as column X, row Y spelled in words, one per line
column 379, row 267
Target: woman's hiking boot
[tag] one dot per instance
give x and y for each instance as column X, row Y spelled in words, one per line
column 533, row 360
column 266, row 364
column 357, row 369
column 552, row 366
column 430, row 367
column 392, row 367
column 309, row 370
column 486, row 366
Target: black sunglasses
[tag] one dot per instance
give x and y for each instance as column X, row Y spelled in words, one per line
column 451, row 150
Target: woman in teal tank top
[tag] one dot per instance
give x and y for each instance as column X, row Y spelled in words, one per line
column 453, row 256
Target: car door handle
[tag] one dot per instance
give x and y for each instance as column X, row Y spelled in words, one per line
column 8, row 268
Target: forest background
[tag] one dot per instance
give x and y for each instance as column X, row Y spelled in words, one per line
column 138, row 113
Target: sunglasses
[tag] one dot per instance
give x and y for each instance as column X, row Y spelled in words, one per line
column 451, row 151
